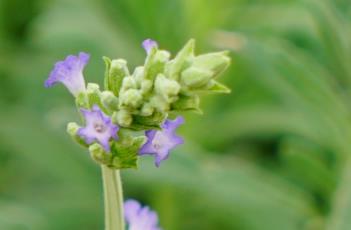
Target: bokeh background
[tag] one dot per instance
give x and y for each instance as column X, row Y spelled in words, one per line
column 275, row 154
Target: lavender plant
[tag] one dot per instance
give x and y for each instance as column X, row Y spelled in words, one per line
column 132, row 115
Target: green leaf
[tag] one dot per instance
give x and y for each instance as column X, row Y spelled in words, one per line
column 216, row 87
column 148, row 122
column 126, row 151
column 175, row 66
column 107, row 62
column 118, row 70
column 187, row 103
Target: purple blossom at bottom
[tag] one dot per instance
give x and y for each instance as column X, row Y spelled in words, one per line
column 160, row 142
column 70, row 73
column 99, row 127
column 148, row 44
column 138, row 217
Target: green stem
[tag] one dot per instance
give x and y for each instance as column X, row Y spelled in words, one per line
column 113, row 198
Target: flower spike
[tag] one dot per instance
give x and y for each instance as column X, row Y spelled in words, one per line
column 140, row 218
column 160, row 143
column 139, row 101
column 70, row 73
column 99, row 127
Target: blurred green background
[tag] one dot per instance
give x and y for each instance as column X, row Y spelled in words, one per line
column 275, row 154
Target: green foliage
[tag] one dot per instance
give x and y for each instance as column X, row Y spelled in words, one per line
column 273, row 154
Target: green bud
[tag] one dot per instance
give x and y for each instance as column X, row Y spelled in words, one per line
column 82, row 100
column 155, row 63
column 93, row 92
column 122, row 118
column 98, row 153
column 94, row 97
column 138, row 75
column 213, row 62
column 195, row 77
column 72, row 129
column 166, row 88
column 187, row 103
column 128, row 83
column 181, row 61
column 147, row 109
column 116, row 70
column 130, row 99
column 146, row 86
column 109, row 100
column 159, row 103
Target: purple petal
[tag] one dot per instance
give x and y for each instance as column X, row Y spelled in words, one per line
column 140, row 218
column 105, row 143
column 147, row 148
column 70, row 73
column 173, row 125
column 86, row 134
column 98, row 127
column 161, row 142
column 84, row 58
column 148, row 44
column 131, row 209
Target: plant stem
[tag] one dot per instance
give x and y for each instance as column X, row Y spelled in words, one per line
column 113, row 198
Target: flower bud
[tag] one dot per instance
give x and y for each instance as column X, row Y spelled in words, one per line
column 195, row 77
column 116, row 70
column 122, row 118
column 94, row 96
column 98, row 153
column 146, row 86
column 167, row 88
column 128, row 83
column 159, row 103
column 155, row 63
column 214, row 62
column 72, row 129
column 138, row 75
column 93, row 92
column 131, row 99
column 82, row 100
column 182, row 59
column 109, row 100
column 146, row 110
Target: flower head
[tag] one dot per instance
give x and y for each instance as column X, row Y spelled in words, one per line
column 138, row 217
column 148, row 44
column 70, row 73
column 159, row 143
column 99, row 127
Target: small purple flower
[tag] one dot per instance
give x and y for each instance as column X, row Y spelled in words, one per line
column 159, row 143
column 70, row 73
column 148, row 44
column 138, row 217
column 99, row 127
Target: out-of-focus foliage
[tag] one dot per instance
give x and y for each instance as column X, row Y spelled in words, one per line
column 275, row 154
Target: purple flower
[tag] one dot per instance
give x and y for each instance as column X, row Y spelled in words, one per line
column 99, row 127
column 138, row 217
column 70, row 73
column 148, row 44
column 159, row 143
